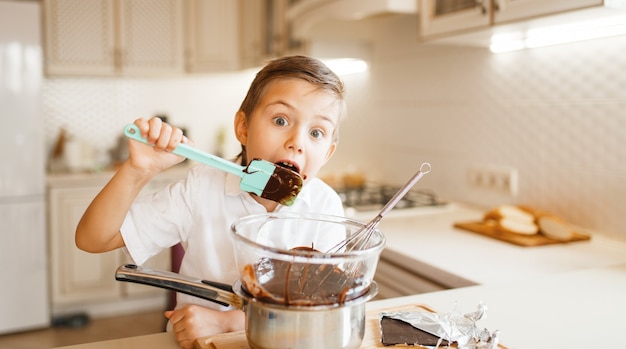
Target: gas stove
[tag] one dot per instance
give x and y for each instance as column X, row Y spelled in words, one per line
column 373, row 198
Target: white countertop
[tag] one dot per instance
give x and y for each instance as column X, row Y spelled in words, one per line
column 425, row 241
column 581, row 309
column 555, row 296
column 99, row 179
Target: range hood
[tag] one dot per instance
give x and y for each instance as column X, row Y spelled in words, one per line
column 304, row 14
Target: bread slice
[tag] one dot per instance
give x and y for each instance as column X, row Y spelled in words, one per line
column 511, row 212
column 512, row 219
column 555, row 228
column 517, row 226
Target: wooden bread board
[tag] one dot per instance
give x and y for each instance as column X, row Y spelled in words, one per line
column 491, row 230
column 371, row 339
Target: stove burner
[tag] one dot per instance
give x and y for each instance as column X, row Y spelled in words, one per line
column 374, row 197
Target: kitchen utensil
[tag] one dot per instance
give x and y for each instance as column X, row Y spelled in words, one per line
column 280, row 260
column 263, row 178
column 359, row 239
column 270, row 326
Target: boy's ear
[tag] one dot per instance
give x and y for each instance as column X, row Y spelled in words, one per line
column 241, row 127
column 331, row 151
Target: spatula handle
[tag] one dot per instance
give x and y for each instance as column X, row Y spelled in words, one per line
column 132, row 131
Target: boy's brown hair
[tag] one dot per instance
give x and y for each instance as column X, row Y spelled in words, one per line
column 306, row 68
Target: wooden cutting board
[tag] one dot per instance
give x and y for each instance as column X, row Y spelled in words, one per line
column 492, row 231
column 371, row 339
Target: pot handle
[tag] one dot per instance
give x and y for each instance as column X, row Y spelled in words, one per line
column 210, row 290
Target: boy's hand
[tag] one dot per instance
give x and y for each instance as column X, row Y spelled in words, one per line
column 193, row 321
column 165, row 137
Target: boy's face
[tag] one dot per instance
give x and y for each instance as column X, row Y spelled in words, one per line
column 293, row 123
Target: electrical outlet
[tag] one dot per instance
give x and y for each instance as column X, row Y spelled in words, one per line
column 502, row 179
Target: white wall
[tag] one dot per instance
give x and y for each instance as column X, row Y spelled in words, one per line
column 556, row 114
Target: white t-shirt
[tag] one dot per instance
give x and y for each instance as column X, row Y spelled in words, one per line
column 198, row 213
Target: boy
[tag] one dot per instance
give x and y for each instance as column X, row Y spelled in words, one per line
column 290, row 115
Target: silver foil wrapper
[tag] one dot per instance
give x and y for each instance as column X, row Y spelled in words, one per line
column 452, row 326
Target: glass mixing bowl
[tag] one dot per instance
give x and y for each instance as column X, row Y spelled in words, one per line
column 281, row 258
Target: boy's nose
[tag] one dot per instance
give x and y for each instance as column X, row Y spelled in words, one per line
column 296, row 141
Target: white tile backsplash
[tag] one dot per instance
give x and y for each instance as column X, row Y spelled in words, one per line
column 557, row 114
column 95, row 110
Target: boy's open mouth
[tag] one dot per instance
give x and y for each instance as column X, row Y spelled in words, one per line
column 288, row 165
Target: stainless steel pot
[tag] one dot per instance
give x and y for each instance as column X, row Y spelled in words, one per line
column 268, row 325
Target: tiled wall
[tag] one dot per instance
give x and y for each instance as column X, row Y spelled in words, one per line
column 95, row 110
column 556, row 114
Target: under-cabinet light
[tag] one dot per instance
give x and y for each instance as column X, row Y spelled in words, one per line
column 346, row 66
column 558, row 34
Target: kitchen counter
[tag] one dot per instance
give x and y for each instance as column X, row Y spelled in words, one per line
column 580, row 309
column 424, row 241
column 554, row 296
column 87, row 179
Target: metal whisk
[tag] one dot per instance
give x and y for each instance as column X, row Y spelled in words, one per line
column 358, row 240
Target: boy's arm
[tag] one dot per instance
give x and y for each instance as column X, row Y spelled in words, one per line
column 99, row 228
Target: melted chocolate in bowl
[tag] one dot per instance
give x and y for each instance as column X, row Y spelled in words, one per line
column 299, row 275
column 302, row 283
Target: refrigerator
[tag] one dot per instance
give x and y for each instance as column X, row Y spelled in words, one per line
column 24, row 301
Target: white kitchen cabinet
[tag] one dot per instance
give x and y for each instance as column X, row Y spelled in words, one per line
column 223, row 35
column 252, row 24
column 77, row 276
column 440, row 18
column 515, row 10
column 153, row 37
column 82, row 281
column 112, row 37
column 79, row 37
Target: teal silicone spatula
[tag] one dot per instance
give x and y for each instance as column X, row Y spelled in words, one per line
column 260, row 177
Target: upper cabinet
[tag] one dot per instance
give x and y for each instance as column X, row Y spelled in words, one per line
column 152, row 37
column 216, row 37
column 515, row 10
column 79, row 37
column 110, row 37
column 447, row 17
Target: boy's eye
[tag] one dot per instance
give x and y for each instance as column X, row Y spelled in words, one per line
column 317, row 133
column 280, row 121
